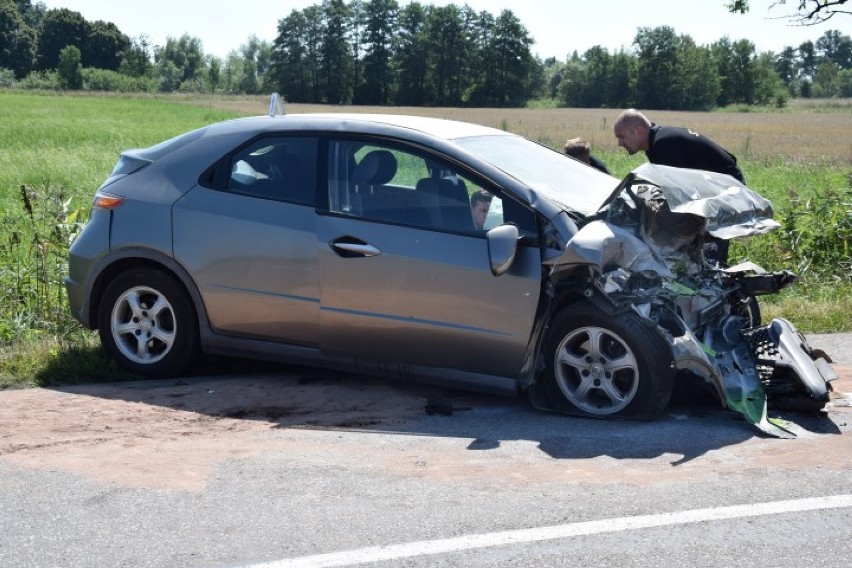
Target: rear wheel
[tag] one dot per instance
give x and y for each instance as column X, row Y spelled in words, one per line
column 606, row 365
column 147, row 324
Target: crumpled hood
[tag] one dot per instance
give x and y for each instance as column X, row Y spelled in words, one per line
column 731, row 209
column 680, row 205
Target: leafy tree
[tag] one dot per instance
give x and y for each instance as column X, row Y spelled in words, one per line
column 70, row 67
column 596, row 74
column 356, row 38
column 214, row 73
column 484, row 89
column 809, row 11
column 291, row 72
column 185, row 55
column 509, row 48
column 449, row 47
column 696, row 83
column 411, row 53
column 622, row 80
column 807, row 60
column 826, row 82
column 537, row 80
column 7, row 78
column 723, row 54
column 735, row 65
column 835, row 47
column 249, row 84
column 314, row 22
column 573, row 86
column 17, row 40
column 552, row 70
column 381, row 21
column 104, row 46
column 742, row 78
column 657, row 50
column 136, row 58
column 59, row 28
column 769, row 88
column 33, row 14
column 232, row 72
column 256, row 60
column 844, row 82
column 336, row 64
column 169, row 76
column 785, row 65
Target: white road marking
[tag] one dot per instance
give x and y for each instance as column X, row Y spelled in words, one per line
column 456, row 544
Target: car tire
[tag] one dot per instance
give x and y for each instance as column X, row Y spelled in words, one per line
column 752, row 311
column 605, row 365
column 147, row 323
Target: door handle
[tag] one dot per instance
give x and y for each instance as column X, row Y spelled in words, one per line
column 347, row 247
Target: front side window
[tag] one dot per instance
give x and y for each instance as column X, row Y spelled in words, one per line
column 388, row 184
column 283, row 169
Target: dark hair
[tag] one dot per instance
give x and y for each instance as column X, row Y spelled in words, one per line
column 480, row 196
column 578, row 148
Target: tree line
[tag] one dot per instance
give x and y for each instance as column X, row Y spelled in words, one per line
column 374, row 52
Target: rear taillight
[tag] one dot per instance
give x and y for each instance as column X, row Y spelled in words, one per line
column 106, row 201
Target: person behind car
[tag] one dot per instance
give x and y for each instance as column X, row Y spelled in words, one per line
column 580, row 149
column 480, row 202
column 672, row 145
column 680, row 148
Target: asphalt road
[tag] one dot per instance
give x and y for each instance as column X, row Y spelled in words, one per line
column 495, row 483
column 837, row 345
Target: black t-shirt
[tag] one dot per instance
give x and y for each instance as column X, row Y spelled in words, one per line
column 597, row 164
column 684, row 148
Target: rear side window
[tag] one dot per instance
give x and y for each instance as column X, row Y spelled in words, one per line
column 279, row 168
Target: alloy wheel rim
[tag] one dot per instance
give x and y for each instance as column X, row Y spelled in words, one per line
column 143, row 325
column 596, row 370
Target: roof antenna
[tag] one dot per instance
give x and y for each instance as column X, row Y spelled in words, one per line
column 276, row 105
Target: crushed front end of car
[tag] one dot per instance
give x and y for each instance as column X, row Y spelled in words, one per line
column 645, row 252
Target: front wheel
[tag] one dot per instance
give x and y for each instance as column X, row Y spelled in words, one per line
column 147, row 324
column 606, row 365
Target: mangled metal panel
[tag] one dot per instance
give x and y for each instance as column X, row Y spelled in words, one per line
column 732, row 210
column 649, row 252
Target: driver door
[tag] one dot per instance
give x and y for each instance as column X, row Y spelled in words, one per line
column 406, row 283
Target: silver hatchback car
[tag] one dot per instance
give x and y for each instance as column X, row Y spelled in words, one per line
column 412, row 247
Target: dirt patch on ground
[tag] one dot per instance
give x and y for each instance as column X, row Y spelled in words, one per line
column 172, row 434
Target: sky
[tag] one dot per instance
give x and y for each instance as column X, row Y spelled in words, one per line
column 558, row 26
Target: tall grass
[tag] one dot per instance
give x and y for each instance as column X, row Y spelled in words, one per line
column 55, row 150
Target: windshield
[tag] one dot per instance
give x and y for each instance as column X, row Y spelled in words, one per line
column 564, row 180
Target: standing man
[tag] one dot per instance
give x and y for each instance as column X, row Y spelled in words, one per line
column 672, row 145
column 679, row 148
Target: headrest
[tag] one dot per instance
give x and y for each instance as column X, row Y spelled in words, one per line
column 376, row 168
column 452, row 187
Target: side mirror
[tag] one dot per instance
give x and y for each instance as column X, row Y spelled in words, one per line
column 502, row 246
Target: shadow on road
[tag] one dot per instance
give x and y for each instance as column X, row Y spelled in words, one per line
column 307, row 398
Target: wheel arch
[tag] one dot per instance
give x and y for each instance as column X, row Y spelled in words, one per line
column 138, row 257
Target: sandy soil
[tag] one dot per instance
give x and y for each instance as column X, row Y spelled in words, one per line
column 172, row 434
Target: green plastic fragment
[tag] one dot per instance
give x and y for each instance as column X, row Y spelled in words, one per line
column 752, row 405
column 679, row 289
column 708, row 350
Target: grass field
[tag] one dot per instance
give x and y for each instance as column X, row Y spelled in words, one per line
column 60, row 147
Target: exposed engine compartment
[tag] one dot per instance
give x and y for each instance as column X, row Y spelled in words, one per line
column 648, row 249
